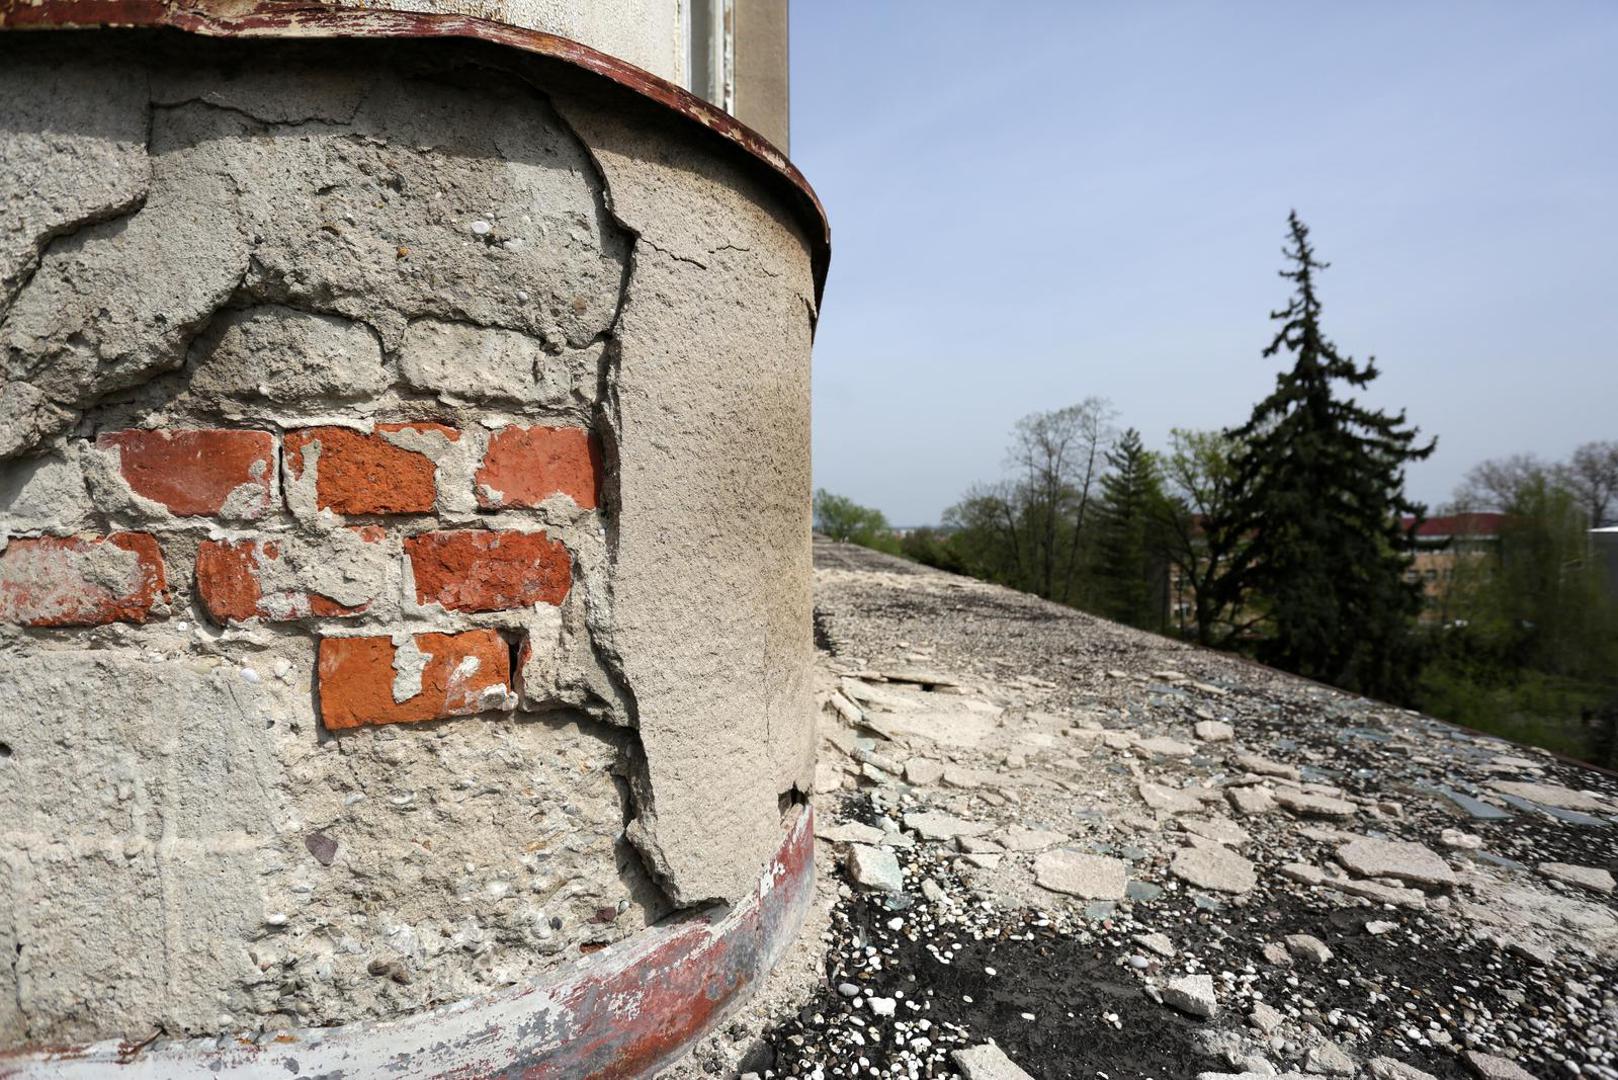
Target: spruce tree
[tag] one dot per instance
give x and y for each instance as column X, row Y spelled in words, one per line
column 1318, row 499
column 1130, row 550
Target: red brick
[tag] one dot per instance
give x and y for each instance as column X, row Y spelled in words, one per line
column 356, row 679
column 356, row 473
column 76, row 581
column 195, row 472
column 229, row 586
column 483, row 570
column 524, row 466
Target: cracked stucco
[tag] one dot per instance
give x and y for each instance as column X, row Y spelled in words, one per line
column 294, row 246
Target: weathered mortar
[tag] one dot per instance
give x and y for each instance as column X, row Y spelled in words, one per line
column 294, row 238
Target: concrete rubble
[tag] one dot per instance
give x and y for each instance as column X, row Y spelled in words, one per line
column 1339, row 888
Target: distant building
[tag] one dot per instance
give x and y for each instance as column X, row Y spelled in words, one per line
column 1444, row 546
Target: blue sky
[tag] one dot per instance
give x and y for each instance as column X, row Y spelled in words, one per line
column 1035, row 202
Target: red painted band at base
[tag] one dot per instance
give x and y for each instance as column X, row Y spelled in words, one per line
column 621, row 1013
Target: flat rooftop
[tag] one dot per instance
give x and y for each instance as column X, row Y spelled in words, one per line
column 1112, row 854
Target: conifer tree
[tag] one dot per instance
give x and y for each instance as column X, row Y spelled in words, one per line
column 1130, row 553
column 1318, row 497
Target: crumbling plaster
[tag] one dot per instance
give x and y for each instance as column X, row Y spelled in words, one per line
column 184, row 851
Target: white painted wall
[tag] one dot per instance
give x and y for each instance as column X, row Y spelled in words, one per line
column 648, row 33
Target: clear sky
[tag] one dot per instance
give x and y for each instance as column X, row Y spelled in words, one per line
column 1034, row 202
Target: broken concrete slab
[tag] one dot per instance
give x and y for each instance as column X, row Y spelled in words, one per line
column 1073, row 873
column 1214, row 867
column 1404, row 860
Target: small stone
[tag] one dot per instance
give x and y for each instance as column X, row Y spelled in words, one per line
column 1585, row 877
column 1405, row 861
column 1253, row 763
column 932, row 825
column 848, row 990
column 1385, row 1068
column 1307, row 947
column 1157, row 943
column 874, row 869
column 1091, row 877
column 322, row 847
column 1248, row 801
column 850, row 832
column 1170, row 800
column 1264, row 1017
column 1531, row 951
column 1192, row 995
column 481, row 227
column 1378, row 927
column 1143, row 892
column 1218, row 829
column 1464, row 841
column 987, row 1062
column 1214, row 867
column 1021, row 839
column 1164, row 746
column 1214, row 731
column 1490, row 1067
column 1300, row 802
column 922, row 772
column 883, row 1006
column 1330, row 1059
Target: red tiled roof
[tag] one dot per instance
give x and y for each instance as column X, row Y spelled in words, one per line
column 1484, row 524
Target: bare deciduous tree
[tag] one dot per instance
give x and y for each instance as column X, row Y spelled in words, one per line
column 1591, row 476
column 1493, row 484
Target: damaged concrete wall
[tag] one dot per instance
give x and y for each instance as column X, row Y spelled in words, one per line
column 404, row 496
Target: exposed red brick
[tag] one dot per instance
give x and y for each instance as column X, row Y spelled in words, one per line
column 196, row 471
column 356, row 473
column 483, row 570
column 465, row 673
column 524, row 466
column 229, row 586
column 78, row 581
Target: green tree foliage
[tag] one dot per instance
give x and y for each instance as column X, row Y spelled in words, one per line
column 1199, row 478
column 1318, row 497
column 1131, row 539
column 841, row 518
column 1529, row 643
column 935, row 547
